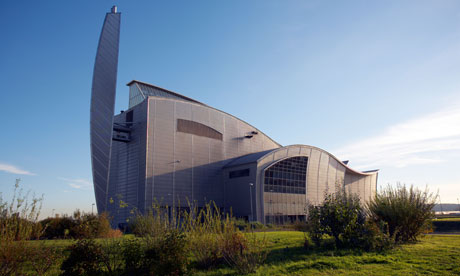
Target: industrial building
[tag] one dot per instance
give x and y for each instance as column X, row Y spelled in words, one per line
column 174, row 150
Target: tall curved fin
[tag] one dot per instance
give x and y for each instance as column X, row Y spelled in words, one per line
column 103, row 104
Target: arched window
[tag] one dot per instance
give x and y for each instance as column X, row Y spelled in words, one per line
column 287, row 176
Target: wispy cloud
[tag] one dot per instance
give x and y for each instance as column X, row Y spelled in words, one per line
column 13, row 169
column 414, row 142
column 77, row 183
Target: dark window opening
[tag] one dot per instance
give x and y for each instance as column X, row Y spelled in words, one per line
column 198, row 129
column 239, row 173
column 129, row 116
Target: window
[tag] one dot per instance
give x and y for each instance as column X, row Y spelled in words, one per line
column 198, row 129
column 291, row 172
column 239, row 173
column 129, row 116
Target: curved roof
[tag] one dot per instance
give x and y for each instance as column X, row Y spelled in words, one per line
column 153, row 90
column 256, row 157
column 178, row 96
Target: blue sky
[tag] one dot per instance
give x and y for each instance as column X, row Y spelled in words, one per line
column 375, row 82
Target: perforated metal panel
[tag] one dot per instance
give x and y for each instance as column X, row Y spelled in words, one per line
column 102, row 106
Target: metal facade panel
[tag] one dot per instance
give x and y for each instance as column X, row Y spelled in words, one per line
column 163, row 152
column 231, row 137
column 102, row 106
column 279, row 154
column 332, row 175
column 127, row 174
column 312, row 177
column 237, row 190
column 323, row 187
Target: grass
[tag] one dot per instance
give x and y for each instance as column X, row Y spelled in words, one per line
column 448, row 219
column 434, row 255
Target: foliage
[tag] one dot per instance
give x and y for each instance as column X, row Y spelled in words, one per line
column 155, row 222
column 58, row 227
column 18, row 220
column 342, row 217
column 113, row 255
column 168, row 254
column 243, row 252
column 133, row 254
column 86, row 258
column 433, row 255
column 42, row 257
column 406, row 211
column 79, row 226
column 163, row 246
column 203, row 228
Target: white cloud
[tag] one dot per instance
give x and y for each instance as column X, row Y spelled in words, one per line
column 414, row 142
column 13, row 169
column 77, row 183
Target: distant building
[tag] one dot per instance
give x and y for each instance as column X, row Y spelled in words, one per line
column 172, row 149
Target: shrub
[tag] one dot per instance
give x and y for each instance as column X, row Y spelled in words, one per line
column 42, row 257
column 342, row 217
column 167, row 255
column 18, row 221
column 245, row 253
column 86, row 258
column 406, row 211
column 314, row 226
column 79, row 226
column 133, row 256
column 155, row 222
column 113, row 256
column 58, row 227
column 114, row 233
column 162, row 249
column 203, row 229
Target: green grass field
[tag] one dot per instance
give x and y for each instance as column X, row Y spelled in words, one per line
column 434, row 255
column 447, row 219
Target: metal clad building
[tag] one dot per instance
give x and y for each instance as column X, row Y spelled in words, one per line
column 173, row 150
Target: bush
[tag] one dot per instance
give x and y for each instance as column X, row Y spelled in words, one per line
column 58, row 227
column 245, row 253
column 203, row 229
column 340, row 216
column 133, row 256
column 162, row 249
column 155, row 222
column 406, row 211
column 18, row 223
column 113, row 256
column 42, row 257
column 86, row 258
column 167, row 255
column 79, row 226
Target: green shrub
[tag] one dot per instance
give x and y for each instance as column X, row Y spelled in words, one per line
column 18, row 223
column 167, row 255
column 342, row 217
column 58, row 227
column 79, row 226
column 203, row 229
column 245, row 253
column 155, row 222
column 86, row 258
column 133, row 254
column 42, row 257
column 314, row 226
column 406, row 211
